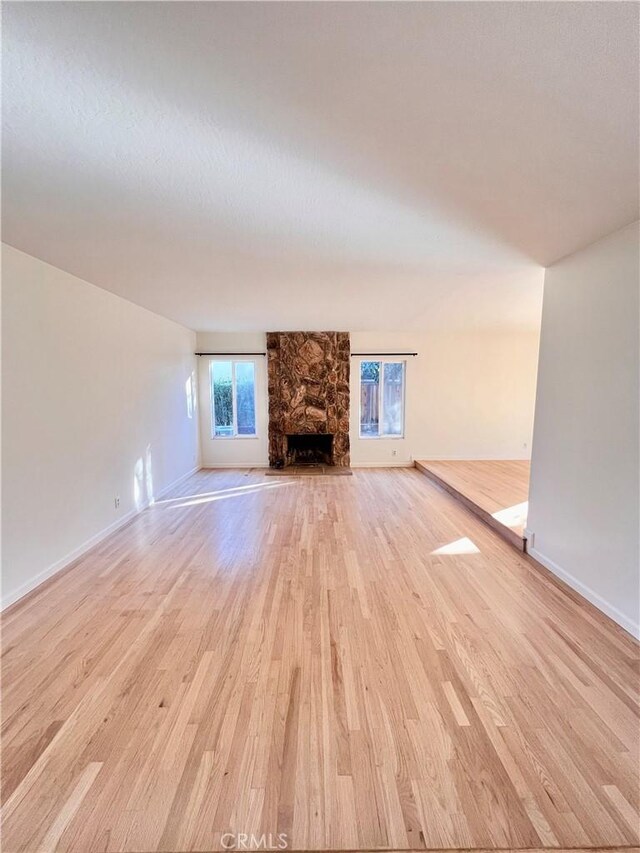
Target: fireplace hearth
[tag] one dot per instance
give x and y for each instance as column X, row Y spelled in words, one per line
column 310, row 449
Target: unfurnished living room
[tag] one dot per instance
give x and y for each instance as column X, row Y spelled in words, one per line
column 320, row 427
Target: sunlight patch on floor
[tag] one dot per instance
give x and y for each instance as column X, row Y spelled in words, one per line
column 513, row 516
column 222, row 494
column 232, row 489
column 459, row 546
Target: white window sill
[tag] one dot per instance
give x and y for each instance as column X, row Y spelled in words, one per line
column 381, row 437
column 233, row 437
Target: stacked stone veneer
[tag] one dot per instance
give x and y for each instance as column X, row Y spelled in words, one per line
column 308, row 390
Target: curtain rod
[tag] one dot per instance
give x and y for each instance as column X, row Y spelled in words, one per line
column 353, row 354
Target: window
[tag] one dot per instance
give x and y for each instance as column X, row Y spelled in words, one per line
column 233, row 399
column 382, row 399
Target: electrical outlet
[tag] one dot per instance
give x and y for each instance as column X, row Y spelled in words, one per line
column 116, row 502
column 394, row 452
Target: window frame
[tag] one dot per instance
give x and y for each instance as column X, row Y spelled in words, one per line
column 234, row 401
column 381, row 360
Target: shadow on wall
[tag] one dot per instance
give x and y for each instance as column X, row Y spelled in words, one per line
column 143, row 480
column 190, row 391
column 143, row 490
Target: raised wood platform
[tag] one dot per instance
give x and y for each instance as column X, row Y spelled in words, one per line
column 497, row 491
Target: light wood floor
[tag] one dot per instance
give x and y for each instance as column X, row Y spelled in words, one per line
column 357, row 662
column 496, row 489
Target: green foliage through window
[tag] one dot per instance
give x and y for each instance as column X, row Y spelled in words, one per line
column 233, row 398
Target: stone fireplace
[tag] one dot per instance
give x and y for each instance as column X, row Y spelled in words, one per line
column 308, row 398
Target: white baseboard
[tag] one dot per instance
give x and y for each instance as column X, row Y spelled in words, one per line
column 586, row 592
column 240, row 465
column 471, row 458
column 87, row 545
column 398, row 463
column 175, row 483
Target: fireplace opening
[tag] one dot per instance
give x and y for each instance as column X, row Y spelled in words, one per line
column 310, row 449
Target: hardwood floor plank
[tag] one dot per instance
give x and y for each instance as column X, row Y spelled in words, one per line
column 304, row 656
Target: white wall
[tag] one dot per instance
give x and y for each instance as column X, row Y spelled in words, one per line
column 94, row 406
column 469, row 396
column 583, row 506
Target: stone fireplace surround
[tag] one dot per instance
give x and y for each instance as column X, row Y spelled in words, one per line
column 308, row 374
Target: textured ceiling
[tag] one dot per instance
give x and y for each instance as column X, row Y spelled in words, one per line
column 319, row 165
